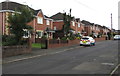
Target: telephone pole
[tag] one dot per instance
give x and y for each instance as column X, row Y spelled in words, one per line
column 111, row 26
column 111, row 22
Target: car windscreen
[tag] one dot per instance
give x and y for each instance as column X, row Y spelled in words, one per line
column 117, row 35
column 85, row 38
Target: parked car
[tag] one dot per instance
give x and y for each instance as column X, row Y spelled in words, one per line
column 87, row 40
column 117, row 37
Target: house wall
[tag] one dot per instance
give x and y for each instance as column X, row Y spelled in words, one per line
column 81, row 28
column 88, row 30
column 58, row 25
column 1, row 23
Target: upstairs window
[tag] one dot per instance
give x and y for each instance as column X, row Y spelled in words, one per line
column 73, row 23
column 78, row 24
column 47, row 22
column 39, row 20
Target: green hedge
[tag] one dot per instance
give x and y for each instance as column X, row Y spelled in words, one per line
column 10, row 40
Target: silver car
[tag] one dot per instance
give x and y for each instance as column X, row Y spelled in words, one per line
column 117, row 37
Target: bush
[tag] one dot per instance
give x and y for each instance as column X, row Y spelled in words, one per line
column 78, row 38
column 71, row 37
column 11, row 40
column 8, row 40
column 68, row 37
column 64, row 38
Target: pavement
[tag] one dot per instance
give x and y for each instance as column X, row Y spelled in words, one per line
column 36, row 53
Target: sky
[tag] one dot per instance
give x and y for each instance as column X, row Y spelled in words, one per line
column 94, row 11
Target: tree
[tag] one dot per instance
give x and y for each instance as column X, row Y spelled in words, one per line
column 18, row 22
column 67, row 20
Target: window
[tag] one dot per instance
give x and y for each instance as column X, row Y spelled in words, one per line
column 40, row 20
column 39, row 34
column 47, row 22
column 78, row 24
column 26, row 33
column 54, row 27
column 73, row 23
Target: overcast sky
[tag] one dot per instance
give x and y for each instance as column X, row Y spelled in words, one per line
column 95, row 11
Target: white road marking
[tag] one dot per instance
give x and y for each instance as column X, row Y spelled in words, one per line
column 107, row 63
column 114, row 70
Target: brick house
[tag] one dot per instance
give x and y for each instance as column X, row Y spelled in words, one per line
column 91, row 28
column 105, row 30
column 41, row 23
column 58, row 23
column 88, row 27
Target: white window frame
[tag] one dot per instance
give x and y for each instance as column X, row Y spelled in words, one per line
column 26, row 36
column 73, row 23
column 39, row 20
column 78, row 24
column 47, row 22
column 40, row 34
column 55, row 28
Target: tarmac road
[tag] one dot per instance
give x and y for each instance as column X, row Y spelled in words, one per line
column 99, row 59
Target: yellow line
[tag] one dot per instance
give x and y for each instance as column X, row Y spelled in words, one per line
column 114, row 70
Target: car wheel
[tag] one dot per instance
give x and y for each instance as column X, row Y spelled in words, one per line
column 94, row 44
column 80, row 44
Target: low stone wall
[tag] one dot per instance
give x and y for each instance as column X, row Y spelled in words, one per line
column 15, row 50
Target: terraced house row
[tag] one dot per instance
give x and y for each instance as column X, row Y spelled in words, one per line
column 47, row 25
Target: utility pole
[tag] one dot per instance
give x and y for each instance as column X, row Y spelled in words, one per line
column 111, row 22
column 111, row 26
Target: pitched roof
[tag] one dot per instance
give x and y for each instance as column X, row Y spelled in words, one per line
column 36, row 11
column 85, row 22
column 9, row 5
column 58, row 16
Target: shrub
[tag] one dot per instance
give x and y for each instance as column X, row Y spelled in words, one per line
column 11, row 40
column 78, row 38
column 8, row 40
column 64, row 38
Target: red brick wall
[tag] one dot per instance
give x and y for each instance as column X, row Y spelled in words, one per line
column 81, row 28
column 58, row 25
column 69, row 43
column 100, row 39
column 40, row 26
column 1, row 22
column 88, row 30
column 14, row 50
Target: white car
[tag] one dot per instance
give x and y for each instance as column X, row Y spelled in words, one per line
column 87, row 40
column 117, row 37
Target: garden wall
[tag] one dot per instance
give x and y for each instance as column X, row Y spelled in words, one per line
column 100, row 39
column 16, row 50
column 61, row 43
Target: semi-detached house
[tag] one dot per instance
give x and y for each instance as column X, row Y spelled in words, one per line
column 41, row 24
column 75, row 24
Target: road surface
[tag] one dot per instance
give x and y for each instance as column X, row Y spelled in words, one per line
column 99, row 59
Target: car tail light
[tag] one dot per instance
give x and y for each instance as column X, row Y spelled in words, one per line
column 88, row 40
